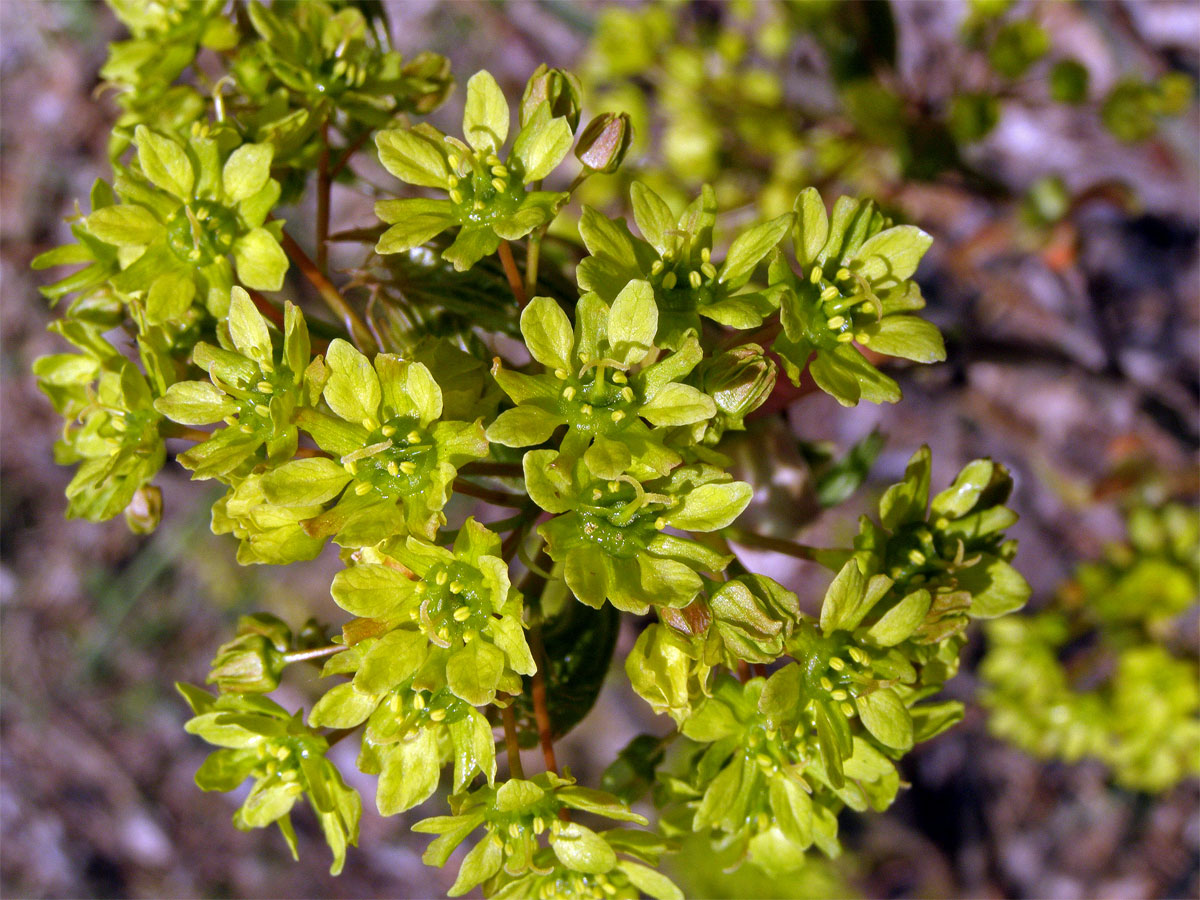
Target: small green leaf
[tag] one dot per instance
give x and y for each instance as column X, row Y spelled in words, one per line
column 812, row 226
column 906, row 501
column 486, row 116
column 711, row 506
column 633, row 322
column 304, row 482
column 353, row 390
column 165, row 163
column 417, row 220
column 650, row 881
column 548, row 335
column 892, row 255
column 607, row 459
column 996, row 588
column 481, row 863
column 751, row 247
column 884, row 715
column 473, row 673
column 523, row 426
column 170, row 296
column 261, row 262
column 371, row 591
column 678, row 404
column 194, row 403
column 899, row 622
column 582, row 850
column 415, row 156
column 541, row 145
column 653, row 217
column 907, row 337
column 124, row 226
column 247, row 171
column 248, row 328
column 343, row 706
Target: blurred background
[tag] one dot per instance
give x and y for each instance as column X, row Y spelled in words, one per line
column 1052, row 151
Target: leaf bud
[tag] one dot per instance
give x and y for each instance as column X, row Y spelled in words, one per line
column 604, row 142
column 557, row 87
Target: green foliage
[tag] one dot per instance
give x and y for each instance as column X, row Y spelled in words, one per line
column 597, row 412
column 1104, row 672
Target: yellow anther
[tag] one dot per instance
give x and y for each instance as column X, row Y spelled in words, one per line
column 444, row 634
column 669, row 280
column 247, row 428
column 367, row 423
column 437, row 715
column 706, row 254
column 230, row 420
column 816, row 275
column 462, row 613
column 709, row 270
column 441, row 577
column 498, row 184
column 656, row 267
column 839, row 695
column 413, row 437
column 836, row 322
column 916, row 557
column 694, row 279
column 627, row 393
column 597, row 493
column 837, row 664
column 619, row 378
column 393, row 468
column 843, row 274
column 617, row 416
column 845, row 337
column 453, row 160
column 560, row 374
column 362, row 488
column 408, row 467
column 455, row 587
column 568, row 393
column 614, row 486
column 863, row 338
column 830, row 293
column 264, row 387
column 263, row 411
column 826, row 683
column 478, row 205
column 847, row 708
column 351, row 467
column 660, row 523
column 418, row 701
column 586, row 409
column 456, row 195
column 500, row 170
column 388, row 430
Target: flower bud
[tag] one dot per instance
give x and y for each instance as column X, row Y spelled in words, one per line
column 738, row 380
column 557, row 87
column 272, row 628
column 144, row 511
column 604, row 142
column 249, row 664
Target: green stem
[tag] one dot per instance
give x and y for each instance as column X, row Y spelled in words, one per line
column 533, row 251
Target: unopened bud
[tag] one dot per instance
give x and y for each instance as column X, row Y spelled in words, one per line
column 249, row 664
column 144, row 511
column 557, row 87
column 603, row 144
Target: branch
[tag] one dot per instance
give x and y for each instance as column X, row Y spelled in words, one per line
column 778, row 545
column 323, row 184
column 315, row 653
column 512, row 273
column 492, row 469
column 496, row 498
column 330, row 294
column 541, row 711
column 511, row 747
